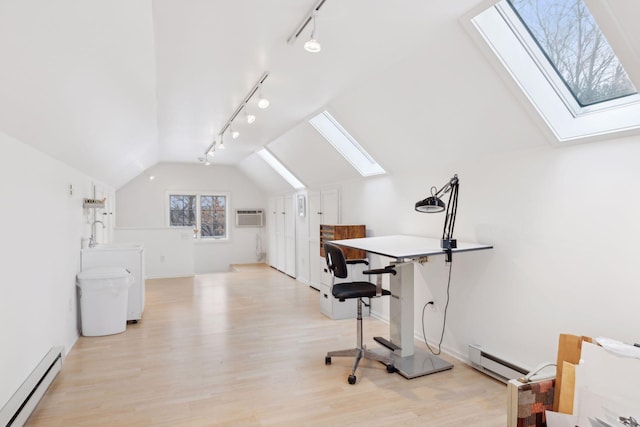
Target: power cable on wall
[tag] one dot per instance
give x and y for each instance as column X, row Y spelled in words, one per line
column 444, row 321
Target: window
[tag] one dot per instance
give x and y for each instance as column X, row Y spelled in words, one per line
column 572, row 49
column 559, row 58
column 206, row 213
column 345, row 144
column 281, row 169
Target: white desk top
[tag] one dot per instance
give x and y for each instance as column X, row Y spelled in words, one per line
column 401, row 246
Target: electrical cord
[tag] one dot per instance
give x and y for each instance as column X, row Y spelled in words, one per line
column 444, row 321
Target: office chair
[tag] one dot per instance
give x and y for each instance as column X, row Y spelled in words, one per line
column 337, row 266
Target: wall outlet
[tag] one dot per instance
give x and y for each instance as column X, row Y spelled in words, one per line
column 431, row 305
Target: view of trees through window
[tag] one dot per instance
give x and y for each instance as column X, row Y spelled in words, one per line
column 184, row 210
column 569, row 37
column 213, row 216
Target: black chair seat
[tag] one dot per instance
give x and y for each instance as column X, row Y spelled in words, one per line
column 355, row 290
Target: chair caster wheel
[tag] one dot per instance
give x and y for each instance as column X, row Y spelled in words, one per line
column 391, row 369
column 352, row 379
column 327, row 360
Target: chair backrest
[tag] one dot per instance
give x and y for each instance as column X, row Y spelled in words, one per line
column 335, row 260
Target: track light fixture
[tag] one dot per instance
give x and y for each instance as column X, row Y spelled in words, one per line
column 234, row 133
column 311, row 45
column 250, row 118
column 262, row 101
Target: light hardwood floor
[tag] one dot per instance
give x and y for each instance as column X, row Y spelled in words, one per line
column 247, row 348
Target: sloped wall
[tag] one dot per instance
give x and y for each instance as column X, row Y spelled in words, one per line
column 562, row 218
column 563, row 224
column 42, row 228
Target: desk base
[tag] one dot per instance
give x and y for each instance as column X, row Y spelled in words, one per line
column 420, row 363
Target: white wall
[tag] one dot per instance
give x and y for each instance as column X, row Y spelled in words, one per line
column 563, row 222
column 141, row 205
column 42, row 228
column 563, row 219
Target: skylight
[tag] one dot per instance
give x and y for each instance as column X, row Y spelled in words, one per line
column 281, row 169
column 572, row 43
column 558, row 56
column 346, row 145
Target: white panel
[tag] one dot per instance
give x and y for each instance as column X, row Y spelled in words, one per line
column 290, row 236
column 272, row 219
column 280, row 234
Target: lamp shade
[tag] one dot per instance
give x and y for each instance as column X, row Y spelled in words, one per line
column 312, row 46
column 431, row 204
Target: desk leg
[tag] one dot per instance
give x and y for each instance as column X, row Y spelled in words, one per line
column 401, row 309
column 408, row 361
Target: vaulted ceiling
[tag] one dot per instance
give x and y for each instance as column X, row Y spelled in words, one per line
column 114, row 87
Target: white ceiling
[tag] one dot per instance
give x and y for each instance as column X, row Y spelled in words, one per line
column 112, row 87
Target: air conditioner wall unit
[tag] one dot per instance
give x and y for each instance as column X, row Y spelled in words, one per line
column 249, row 217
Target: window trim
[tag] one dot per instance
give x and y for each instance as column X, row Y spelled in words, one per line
column 345, row 144
column 198, row 237
column 503, row 49
column 530, row 44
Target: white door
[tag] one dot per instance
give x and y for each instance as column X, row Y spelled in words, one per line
column 280, row 233
column 289, row 236
column 272, row 216
column 324, row 208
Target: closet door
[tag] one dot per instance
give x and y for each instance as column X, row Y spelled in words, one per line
column 289, row 223
column 324, row 208
column 272, row 216
column 315, row 218
column 280, row 233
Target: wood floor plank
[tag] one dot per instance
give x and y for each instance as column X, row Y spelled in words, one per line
column 246, row 348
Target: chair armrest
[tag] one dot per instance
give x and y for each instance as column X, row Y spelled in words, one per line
column 357, row 261
column 387, row 270
column 380, row 271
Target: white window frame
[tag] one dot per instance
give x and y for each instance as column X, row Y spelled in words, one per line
column 345, row 144
column 198, row 194
column 555, row 80
column 487, row 25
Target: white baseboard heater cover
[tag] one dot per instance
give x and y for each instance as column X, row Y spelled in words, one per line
column 17, row 410
column 493, row 365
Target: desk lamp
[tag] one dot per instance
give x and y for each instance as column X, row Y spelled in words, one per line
column 433, row 204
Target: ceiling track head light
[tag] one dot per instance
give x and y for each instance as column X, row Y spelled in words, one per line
column 234, row 133
column 313, row 45
column 262, row 101
column 242, row 107
column 249, row 117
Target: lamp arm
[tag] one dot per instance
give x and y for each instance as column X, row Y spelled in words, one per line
column 452, row 209
column 445, row 188
column 451, row 216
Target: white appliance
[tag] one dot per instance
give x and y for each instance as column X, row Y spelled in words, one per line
column 126, row 255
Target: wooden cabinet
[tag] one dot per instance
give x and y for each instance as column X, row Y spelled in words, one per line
column 330, row 232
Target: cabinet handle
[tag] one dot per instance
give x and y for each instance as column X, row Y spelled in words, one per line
column 319, row 213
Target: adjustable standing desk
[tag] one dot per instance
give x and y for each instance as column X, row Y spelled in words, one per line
column 409, row 362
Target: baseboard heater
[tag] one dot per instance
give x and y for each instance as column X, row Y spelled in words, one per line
column 24, row 401
column 494, row 366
